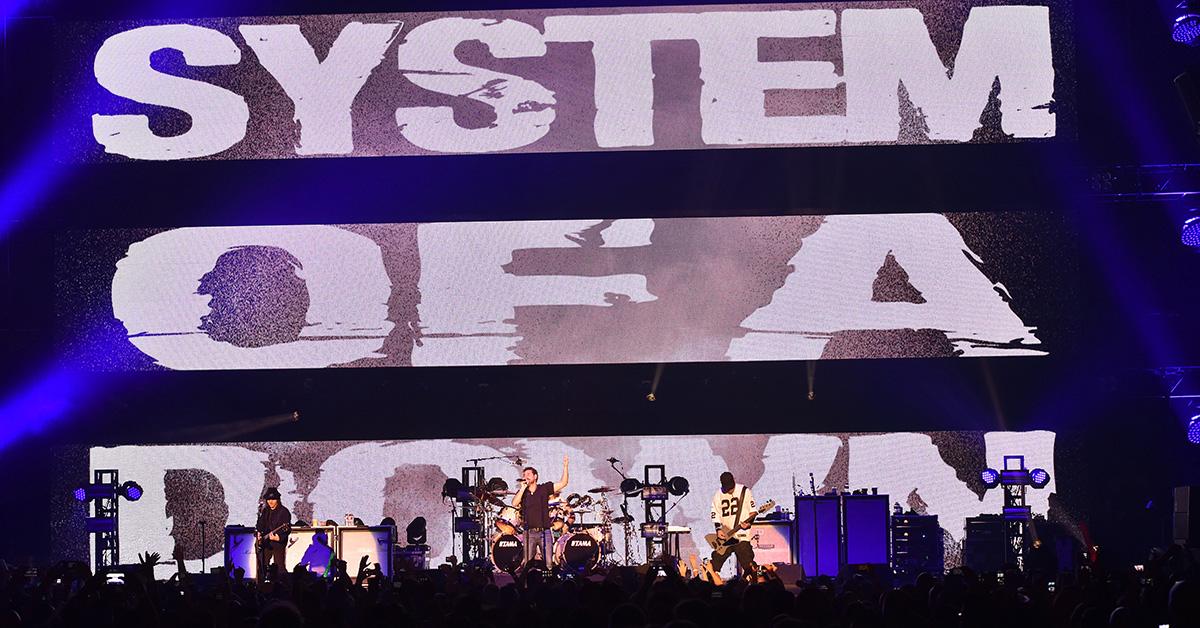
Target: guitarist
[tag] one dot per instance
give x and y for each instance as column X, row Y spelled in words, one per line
column 274, row 524
column 733, row 508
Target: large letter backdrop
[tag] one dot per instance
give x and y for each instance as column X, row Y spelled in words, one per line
column 562, row 291
column 556, row 80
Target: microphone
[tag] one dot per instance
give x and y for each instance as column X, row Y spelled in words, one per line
column 613, row 460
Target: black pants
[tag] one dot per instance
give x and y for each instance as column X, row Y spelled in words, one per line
column 745, row 556
column 271, row 560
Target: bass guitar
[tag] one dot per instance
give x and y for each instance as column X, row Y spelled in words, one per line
column 259, row 537
column 725, row 538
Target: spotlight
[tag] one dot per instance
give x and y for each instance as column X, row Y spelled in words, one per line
column 990, row 477
column 651, row 397
column 1186, row 29
column 1038, row 478
column 630, row 487
column 1193, row 432
column 1189, row 233
column 677, row 486
column 415, row 532
column 451, row 488
column 131, row 490
column 81, row 494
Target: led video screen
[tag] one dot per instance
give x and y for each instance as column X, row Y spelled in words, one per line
column 562, row 292
column 220, row 483
column 559, row 80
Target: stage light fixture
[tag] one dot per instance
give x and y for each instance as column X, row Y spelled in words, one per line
column 88, row 492
column 678, row 486
column 651, row 397
column 1186, row 29
column 630, row 487
column 1038, row 478
column 131, row 490
column 1189, row 232
column 451, row 488
column 990, row 477
column 1193, row 430
column 415, row 533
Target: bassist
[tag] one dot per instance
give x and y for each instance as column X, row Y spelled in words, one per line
column 733, row 509
column 274, row 524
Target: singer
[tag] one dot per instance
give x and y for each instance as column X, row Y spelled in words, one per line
column 533, row 501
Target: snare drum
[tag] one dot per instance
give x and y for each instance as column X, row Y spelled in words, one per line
column 509, row 521
column 577, row 553
column 559, row 516
column 508, row 552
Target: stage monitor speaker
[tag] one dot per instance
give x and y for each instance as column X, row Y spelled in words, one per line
column 818, row 534
column 374, row 542
column 866, row 529
column 1186, row 523
column 772, row 542
column 879, row 575
column 412, row 558
column 239, row 550
column 790, row 575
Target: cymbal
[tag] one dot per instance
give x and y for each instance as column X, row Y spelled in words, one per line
column 602, row 489
column 620, row 520
column 493, row 500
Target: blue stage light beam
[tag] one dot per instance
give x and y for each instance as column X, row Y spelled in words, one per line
column 29, row 182
column 40, row 403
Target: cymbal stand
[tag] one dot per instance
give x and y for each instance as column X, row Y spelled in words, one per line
column 628, row 528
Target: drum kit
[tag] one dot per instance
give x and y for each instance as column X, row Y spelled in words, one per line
column 581, row 523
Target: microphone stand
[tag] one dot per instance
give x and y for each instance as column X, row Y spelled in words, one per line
column 203, row 549
column 628, row 525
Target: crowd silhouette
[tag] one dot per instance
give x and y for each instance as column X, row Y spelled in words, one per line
column 1163, row 591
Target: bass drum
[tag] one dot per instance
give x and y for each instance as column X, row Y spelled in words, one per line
column 508, row 552
column 577, row 553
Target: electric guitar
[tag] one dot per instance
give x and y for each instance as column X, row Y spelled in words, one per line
column 723, row 539
column 258, row 538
